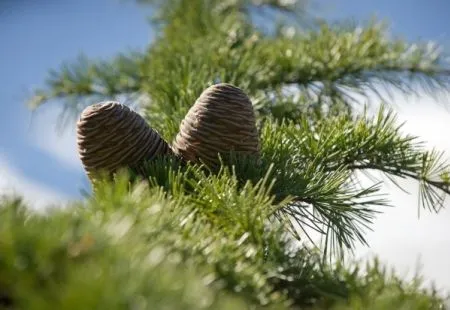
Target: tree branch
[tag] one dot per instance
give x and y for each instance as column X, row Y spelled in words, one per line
column 92, row 81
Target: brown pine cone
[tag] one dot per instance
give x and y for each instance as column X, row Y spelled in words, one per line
column 111, row 136
column 221, row 120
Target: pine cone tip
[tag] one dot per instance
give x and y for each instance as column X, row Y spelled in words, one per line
column 98, row 108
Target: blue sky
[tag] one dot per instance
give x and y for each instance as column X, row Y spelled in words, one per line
column 412, row 19
column 38, row 35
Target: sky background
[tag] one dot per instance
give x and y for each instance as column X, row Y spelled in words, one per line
column 42, row 164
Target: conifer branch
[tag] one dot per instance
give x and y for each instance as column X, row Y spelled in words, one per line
column 86, row 81
column 359, row 60
column 314, row 164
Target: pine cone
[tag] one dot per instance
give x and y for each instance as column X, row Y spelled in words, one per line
column 111, row 136
column 221, row 120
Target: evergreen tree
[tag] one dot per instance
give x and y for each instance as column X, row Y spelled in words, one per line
column 234, row 236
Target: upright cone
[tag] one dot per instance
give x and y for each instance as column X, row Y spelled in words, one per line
column 221, row 120
column 111, row 136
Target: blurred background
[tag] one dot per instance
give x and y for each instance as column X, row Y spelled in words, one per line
column 41, row 163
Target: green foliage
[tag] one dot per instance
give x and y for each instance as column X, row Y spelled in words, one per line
column 188, row 237
column 132, row 247
column 73, row 260
column 315, row 164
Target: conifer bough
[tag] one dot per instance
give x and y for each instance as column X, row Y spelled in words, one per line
column 110, row 136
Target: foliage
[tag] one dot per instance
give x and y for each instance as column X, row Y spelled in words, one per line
column 187, row 237
column 133, row 247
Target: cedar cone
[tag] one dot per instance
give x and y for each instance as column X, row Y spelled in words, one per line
column 111, row 136
column 221, row 120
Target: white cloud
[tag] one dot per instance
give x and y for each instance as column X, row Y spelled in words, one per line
column 403, row 240
column 12, row 182
column 399, row 238
column 60, row 144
